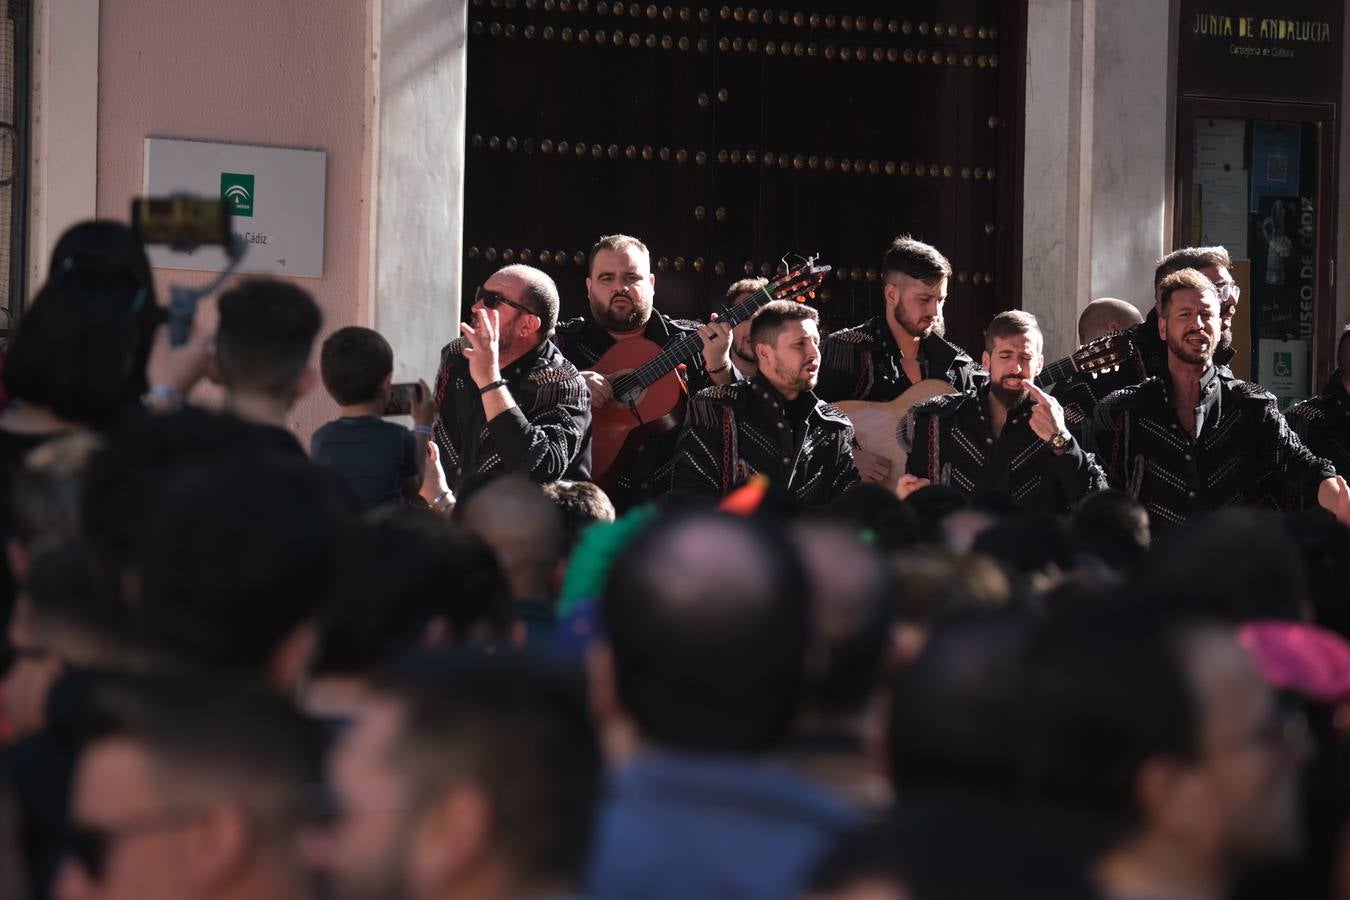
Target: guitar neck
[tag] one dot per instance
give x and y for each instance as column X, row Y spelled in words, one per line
column 687, row 346
column 1057, row 371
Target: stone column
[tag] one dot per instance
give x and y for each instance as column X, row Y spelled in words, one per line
column 421, row 56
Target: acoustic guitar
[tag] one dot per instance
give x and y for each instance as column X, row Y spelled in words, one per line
column 876, row 425
column 649, row 394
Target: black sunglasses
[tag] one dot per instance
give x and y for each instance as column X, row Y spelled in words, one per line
column 88, row 845
column 492, row 299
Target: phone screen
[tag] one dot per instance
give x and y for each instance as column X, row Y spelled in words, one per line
column 401, row 399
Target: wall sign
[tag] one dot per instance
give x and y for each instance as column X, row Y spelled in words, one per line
column 276, row 196
column 1261, row 49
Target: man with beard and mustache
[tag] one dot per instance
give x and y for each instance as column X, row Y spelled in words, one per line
column 773, row 424
column 886, row 355
column 1080, row 395
column 620, row 289
column 507, row 400
column 742, row 354
column 1004, row 440
column 1197, row 438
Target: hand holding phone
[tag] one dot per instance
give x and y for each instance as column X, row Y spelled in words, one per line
column 402, row 396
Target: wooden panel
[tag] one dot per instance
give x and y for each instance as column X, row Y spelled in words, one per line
column 726, row 136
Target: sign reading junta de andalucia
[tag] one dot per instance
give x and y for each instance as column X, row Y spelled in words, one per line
column 276, row 196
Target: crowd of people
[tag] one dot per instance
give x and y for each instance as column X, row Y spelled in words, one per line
column 1092, row 642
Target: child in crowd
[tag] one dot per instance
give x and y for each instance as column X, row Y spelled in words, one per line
column 381, row 461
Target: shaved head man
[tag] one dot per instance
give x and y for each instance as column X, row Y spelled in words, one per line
column 1104, row 316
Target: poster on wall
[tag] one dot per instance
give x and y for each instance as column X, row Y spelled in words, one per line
column 275, row 195
column 1275, row 267
column 1276, row 152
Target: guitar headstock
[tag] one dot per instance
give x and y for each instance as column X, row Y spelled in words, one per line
column 803, row 276
column 1104, row 354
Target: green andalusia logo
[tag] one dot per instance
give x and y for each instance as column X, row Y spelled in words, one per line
column 237, row 191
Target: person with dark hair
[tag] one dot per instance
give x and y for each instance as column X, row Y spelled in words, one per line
column 1005, row 439
column 932, row 585
column 957, row 711
column 467, row 776
column 1081, row 393
column 620, row 292
column 850, row 635
column 1159, row 753
column 381, row 461
column 64, row 619
column 1199, row 439
column 126, row 482
column 742, row 351
column 408, row 581
column 1111, row 527
column 886, row 355
column 507, row 399
column 706, row 621
column 582, row 504
column 266, row 332
column 244, row 595
column 879, row 516
column 79, row 354
column 525, row 529
column 772, row 425
column 947, row 848
column 1269, row 584
column 190, row 788
column 1324, row 547
column 1323, row 422
column 881, row 358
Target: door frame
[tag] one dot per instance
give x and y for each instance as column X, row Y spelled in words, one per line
column 1324, row 116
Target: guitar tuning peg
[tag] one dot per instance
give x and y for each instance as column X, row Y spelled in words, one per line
column 1094, row 376
column 810, row 295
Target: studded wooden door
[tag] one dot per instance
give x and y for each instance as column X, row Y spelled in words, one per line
column 726, row 136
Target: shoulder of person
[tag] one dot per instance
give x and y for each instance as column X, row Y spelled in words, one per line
column 555, row 371
column 860, row 335
column 571, row 326
column 452, row 350
column 1314, row 409
column 1248, row 390
column 944, row 405
column 723, row 394
column 957, row 358
column 832, row 414
column 1134, row 396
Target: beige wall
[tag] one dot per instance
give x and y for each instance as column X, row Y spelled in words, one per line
column 289, row 73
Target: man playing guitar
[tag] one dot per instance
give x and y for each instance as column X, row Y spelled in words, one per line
column 620, row 288
column 884, row 356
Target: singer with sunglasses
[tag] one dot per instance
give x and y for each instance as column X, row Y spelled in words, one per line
column 508, row 401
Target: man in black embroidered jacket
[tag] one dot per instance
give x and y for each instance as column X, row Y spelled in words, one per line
column 1323, row 422
column 1199, row 439
column 773, row 424
column 508, row 401
column 1081, row 395
column 620, row 287
column 884, row 356
column 1004, row 439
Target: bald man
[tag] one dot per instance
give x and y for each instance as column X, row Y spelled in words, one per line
column 1104, row 316
column 508, row 401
